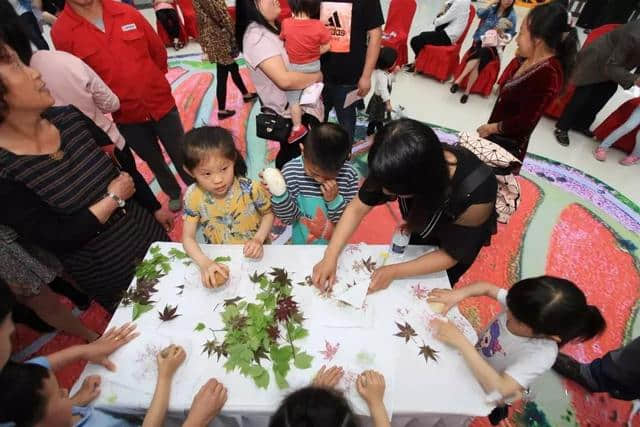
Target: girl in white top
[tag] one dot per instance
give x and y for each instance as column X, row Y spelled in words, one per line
column 540, row 314
column 379, row 107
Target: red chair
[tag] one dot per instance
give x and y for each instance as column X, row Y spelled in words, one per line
column 396, row 30
column 618, row 117
column 486, row 79
column 441, row 61
column 556, row 108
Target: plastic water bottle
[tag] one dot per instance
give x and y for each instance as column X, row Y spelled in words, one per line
column 399, row 241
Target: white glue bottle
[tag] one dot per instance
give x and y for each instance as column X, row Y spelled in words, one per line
column 400, row 241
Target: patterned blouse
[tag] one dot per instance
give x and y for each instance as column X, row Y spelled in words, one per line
column 232, row 220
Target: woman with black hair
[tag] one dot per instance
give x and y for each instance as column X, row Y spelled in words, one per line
column 547, row 48
column 446, row 196
column 257, row 35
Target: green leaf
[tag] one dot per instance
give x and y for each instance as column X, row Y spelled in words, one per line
column 154, row 250
column 280, row 381
column 262, row 380
column 222, row 259
column 177, row 254
column 139, row 310
column 298, row 333
column 200, row 327
column 302, row 361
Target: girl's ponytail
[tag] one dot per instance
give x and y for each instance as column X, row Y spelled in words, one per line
column 567, row 51
column 593, row 324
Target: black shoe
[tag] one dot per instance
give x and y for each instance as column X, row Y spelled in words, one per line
column 223, row 114
column 454, row 88
column 410, row 68
column 247, row 97
column 569, row 368
column 464, row 98
column 562, row 137
column 585, row 132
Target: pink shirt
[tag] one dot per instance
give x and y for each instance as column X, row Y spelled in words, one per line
column 72, row 82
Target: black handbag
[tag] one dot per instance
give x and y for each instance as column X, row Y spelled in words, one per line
column 270, row 125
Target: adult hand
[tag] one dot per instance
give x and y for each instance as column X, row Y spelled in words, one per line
column 329, row 190
column 364, row 85
column 208, row 273
column 207, row 404
column 98, row 351
column 165, row 218
column 328, row 378
column 253, row 249
column 88, row 392
column 169, row 360
column 488, row 129
column 122, row 186
column 447, row 332
column 448, row 297
column 371, row 387
column 324, row 273
column 382, row 278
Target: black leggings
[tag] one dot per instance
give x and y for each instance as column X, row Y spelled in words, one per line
column 484, row 55
column 435, row 38
column 169, row 20
column 221, row 87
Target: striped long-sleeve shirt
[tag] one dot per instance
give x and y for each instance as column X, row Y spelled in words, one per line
column 303, row 206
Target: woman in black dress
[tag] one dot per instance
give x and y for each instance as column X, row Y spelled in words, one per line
column 51, row 156
column 446, row 196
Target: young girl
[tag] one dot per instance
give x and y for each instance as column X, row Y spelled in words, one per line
column 379, row 107
column 521, row 343
column 230, row 208
column 629, row 126
column 305, row 39
column 167, row 15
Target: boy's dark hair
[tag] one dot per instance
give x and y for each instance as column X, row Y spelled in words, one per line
column 12, row 32
column 7, row 300
column 310, row 7
column 387, row 58
column 554, row 306
column 314, row 407
column 327, row 146
column 21, row 394
column 199, row 141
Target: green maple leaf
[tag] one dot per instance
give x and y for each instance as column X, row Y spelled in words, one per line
column 280, row 381
column 222, row 259
column 260, row 377
column 302, row 361
column 255, row 277
column 200, row 327
column 177, row 254
column 231, row 301
column 139, row 310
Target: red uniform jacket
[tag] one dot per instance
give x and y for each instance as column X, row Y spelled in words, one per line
column 128, row 56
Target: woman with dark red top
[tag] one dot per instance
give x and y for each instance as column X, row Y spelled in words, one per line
column 547, row 49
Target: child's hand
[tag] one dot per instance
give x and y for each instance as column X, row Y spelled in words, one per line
column 388, row 106
column 447, row 332
column 109, row 342
column 447, row 297
column 329, row 190
column 382, row 277
column 169, row 360
column 208, row 273
column 371, row 387
column 253, row 249
column 88, row 392
column 328, row 378
column 206, row 404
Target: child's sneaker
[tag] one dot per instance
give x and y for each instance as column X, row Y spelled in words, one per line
column 297, row 134
column 630, row 160
column 600, row 154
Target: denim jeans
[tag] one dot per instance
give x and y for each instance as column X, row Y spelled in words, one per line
column 632, row 122
column 333, row 96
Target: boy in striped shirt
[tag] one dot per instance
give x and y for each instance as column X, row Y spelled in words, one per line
column 320, row 184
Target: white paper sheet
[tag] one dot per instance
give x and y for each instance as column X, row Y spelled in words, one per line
column 351, row 98
column 311, row 94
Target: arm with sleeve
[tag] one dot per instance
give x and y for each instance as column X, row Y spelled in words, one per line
column 285, row 206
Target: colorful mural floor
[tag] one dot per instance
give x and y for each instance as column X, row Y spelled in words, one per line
column 568, row 224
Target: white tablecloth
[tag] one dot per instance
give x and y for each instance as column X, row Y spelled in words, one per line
column 416, row 388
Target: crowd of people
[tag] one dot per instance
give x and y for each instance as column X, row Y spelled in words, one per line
column 78, row 214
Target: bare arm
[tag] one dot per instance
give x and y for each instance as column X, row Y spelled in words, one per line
column 159, row 404
column 353, row 215
column 325, row 48
column 373, row 51
column 265, row 227
column 191, row 247
column 438, row 260
column 277, row 72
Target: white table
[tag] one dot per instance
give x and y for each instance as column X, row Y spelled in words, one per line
column 443, row 387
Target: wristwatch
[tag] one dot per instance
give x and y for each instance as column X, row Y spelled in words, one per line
column 121, row 203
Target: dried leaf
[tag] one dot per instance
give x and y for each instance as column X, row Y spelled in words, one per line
column 212, row 347
column 428, row 353
column 307, row 282
column 231, row 301
column 406, row 331
column 286, row 309
column 281, row 276
column 255, row 277
column 169, row 313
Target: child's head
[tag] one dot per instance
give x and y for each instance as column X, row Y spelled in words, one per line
column 552, row 307
column 386, row 58
column 314, row 407
column 7, row 301
column 311, row 8
column 30, row 395
column 325, row 150
column 212, row 159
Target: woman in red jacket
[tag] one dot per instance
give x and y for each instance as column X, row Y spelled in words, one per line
column 547, row 49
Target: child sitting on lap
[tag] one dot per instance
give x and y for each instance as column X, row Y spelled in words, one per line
column 230, row 208
column 319, row 185
column 305, row 39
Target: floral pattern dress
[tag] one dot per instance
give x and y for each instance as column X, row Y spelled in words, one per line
column 217, row 35
column 232, row 220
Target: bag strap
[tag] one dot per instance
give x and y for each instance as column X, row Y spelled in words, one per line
column 469, row 184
